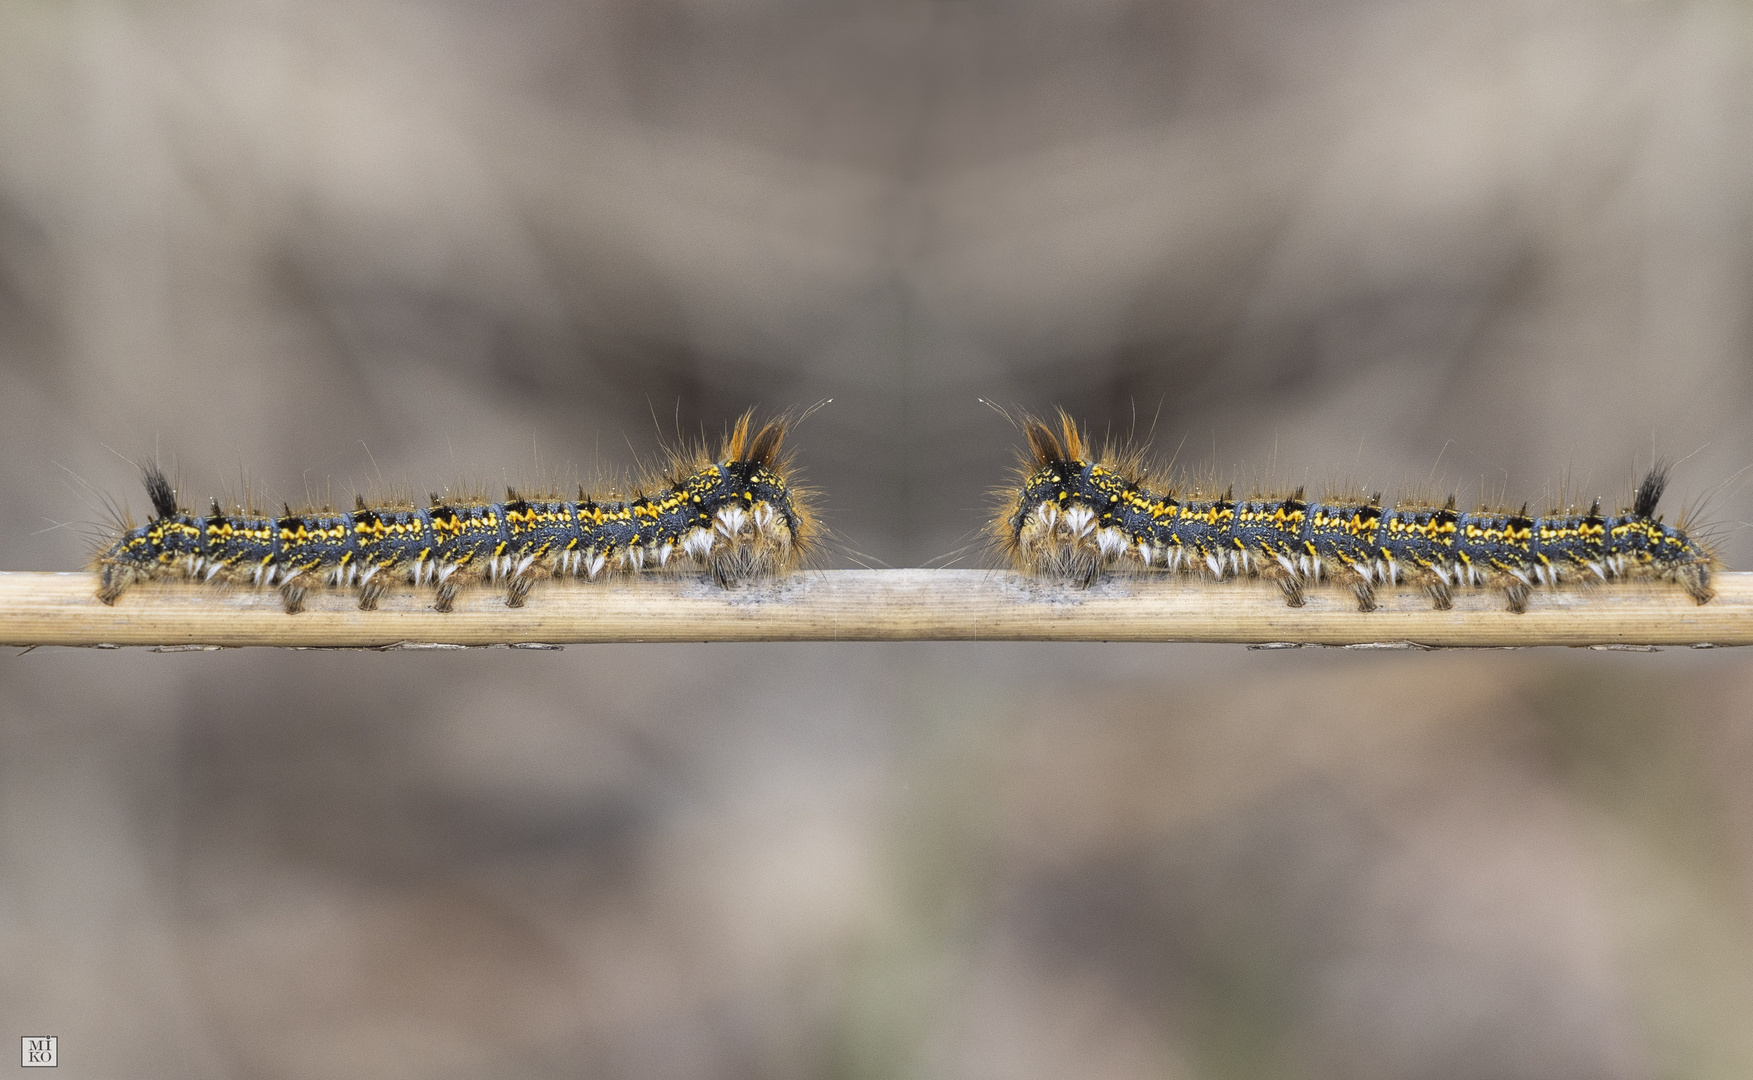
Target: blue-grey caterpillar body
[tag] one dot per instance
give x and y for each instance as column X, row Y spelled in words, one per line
column 1078, row 515
column 735, row 516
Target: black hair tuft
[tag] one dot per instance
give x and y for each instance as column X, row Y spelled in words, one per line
column 1649, row 493
column 158, row 489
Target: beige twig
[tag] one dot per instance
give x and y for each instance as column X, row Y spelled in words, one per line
column 867, row 605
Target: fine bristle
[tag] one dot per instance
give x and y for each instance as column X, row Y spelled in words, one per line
column 1649, row 492
column 1044, row 446
column 158, row 489
column 745, row 442
column 1071, row 437
column 737, row 442
column 764, row 450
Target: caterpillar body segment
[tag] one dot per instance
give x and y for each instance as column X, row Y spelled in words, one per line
column 1076, row 516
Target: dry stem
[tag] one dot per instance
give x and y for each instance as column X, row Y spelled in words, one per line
column 867, row 605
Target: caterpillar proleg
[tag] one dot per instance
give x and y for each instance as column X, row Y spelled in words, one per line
column 735, row 516
column 1077, row 515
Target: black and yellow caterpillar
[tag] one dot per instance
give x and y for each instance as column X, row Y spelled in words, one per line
column 734, row 516
column 1075, row 516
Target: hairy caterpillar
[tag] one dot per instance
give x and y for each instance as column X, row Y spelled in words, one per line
column 1077, row 516
column 735, row 516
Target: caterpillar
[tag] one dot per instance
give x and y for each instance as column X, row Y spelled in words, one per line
column 735, row 516
column 1075, row 516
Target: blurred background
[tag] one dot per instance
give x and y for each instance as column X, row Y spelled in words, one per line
column 1501, row 248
